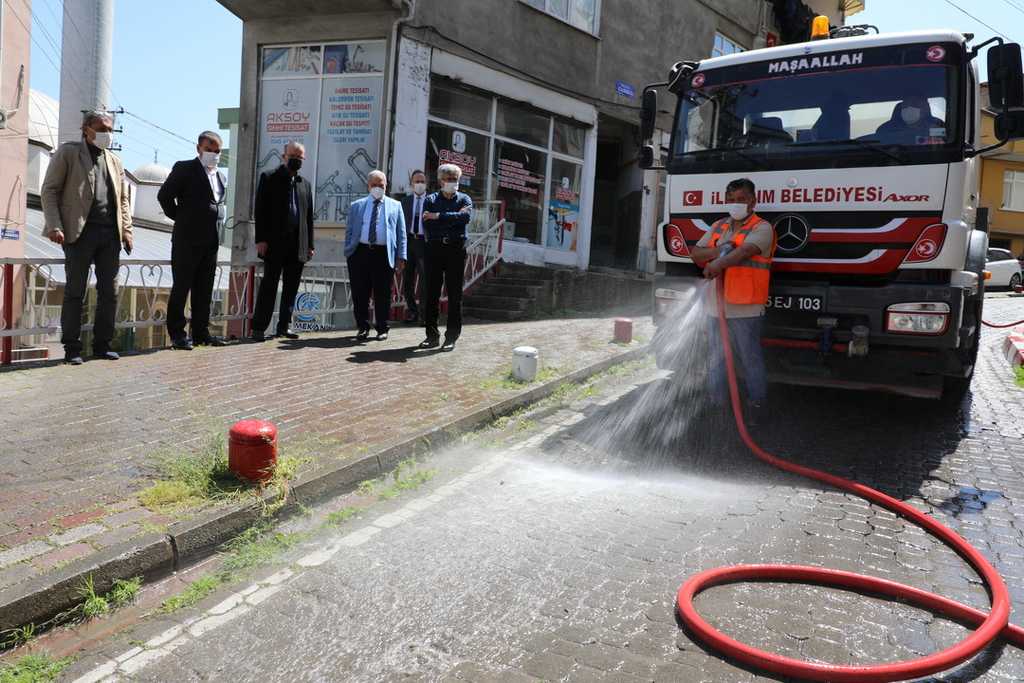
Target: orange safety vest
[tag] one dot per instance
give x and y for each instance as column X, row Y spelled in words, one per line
column 747, row 281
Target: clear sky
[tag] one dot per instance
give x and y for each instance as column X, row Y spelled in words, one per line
column 175, row 63
column 1005, row 16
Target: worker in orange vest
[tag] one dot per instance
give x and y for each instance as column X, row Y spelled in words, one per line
column 739, row 248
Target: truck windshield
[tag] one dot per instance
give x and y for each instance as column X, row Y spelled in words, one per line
column 877, row 107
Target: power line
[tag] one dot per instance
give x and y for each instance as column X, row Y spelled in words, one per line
column 989, row 26
column 1014, row 6
column 160, row 128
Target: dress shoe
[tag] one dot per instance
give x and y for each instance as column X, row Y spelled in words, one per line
column 209, row 341
column 181, row 344
column 382, row 336
column 449, row 345
column 106, row 355
column 288, row 333
column 430, row 343
column 363, row 335
column 255, row 336
column 73, row 358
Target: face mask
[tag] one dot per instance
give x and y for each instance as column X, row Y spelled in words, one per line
column 294, row 165
column 451, row 188
column 210, row 159
column 377, row 192
column 419, row 188
column 737, row 211
column 103, row 140
column 910, row 115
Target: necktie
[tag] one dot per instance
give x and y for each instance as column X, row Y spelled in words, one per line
column 373, row 221
column 417, row 212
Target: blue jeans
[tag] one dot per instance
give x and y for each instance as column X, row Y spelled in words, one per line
column 745, row 334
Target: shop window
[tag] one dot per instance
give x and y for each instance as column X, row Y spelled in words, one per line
column 296, row 60
column 725, row 46
column 564, row 205
column 465, row 149
column 519, row 182
column 569, row 138
column 1013, row 190
column 583, row 14
column 522, row 123
column 452, row 102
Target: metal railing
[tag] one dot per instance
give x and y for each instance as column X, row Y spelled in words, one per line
column 31, row 292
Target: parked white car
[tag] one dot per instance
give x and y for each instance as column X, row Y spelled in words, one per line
column 1004, row 267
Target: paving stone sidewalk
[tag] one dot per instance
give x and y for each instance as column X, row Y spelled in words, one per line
column 80, row 443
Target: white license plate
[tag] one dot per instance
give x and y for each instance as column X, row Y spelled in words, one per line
column 795, row 302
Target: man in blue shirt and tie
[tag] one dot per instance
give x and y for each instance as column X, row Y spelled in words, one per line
column 445, row 217
column 375, row 246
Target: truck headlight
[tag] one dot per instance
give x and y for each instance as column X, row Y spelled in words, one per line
column 924, row 318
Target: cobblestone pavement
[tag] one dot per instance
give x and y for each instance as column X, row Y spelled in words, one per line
column 558, row 556
column 80, row 442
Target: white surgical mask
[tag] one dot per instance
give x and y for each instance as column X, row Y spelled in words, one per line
column 419, row 188
column 210, row 159
column 910, row 115
column 377, row 192
column 737, row 211
column 451, row 188
column 103, row 140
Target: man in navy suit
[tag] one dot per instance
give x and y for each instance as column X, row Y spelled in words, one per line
column 375, row 246
column 193, row 197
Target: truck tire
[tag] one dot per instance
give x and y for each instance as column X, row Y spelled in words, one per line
column 955, row 388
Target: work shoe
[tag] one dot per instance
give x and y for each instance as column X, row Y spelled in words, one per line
column 209, row 341
column 430, row 343
column 181, row 344
column 363, row 335
column 106, row 355
column 73, row 358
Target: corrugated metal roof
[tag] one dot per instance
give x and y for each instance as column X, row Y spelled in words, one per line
column 148, row 245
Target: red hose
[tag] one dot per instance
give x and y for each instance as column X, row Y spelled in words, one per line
column 1001, row 327
column 991, row 626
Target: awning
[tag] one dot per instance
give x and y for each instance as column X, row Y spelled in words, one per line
column 272, row 9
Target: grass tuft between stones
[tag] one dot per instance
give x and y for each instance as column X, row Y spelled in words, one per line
column 34, row 668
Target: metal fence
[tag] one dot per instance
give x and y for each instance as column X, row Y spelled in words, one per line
column 32, row 292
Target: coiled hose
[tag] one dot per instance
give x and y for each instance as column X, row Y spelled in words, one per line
column 988, row 627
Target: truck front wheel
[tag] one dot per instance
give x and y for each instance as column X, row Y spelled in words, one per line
column 955, row 388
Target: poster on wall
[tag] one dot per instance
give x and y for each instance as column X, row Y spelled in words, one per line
column 563, row 217
column 348, row 142
column 289, row 112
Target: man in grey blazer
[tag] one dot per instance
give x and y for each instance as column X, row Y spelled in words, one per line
column 375, row 246
column 86, row 210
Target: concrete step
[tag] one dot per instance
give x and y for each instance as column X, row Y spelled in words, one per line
column 518, row 281
column 511, row 303
column 519, row 270
column 498, row 315
column 494, row 288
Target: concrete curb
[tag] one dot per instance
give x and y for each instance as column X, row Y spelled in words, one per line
column 41, row 598
column 1013, row 347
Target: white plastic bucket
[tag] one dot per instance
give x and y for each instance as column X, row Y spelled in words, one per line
column 525, row 360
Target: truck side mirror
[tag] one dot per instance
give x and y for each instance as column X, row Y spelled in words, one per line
column 1009, row 125
column 646, row 160
column 648, row 114
column 1005, row 76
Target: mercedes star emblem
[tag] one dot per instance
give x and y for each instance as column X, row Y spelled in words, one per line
column 792, row 233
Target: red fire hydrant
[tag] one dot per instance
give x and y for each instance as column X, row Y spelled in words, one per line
column 623, row 331
column 252, row 450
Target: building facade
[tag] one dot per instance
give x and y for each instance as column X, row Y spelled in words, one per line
column 1002, row 188
column 536, row 100
column 14, row 79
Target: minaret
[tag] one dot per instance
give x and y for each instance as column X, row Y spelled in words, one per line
column 86, row 62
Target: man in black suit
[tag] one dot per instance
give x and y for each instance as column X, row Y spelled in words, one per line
column 412, row 207
column 284, row 239
column 192, row 196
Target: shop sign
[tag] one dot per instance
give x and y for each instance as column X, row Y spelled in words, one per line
column 625, row 89
column 467, row 162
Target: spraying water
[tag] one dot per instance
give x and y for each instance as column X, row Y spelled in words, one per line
column 672, row 422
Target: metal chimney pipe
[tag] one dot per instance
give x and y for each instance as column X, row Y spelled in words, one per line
column 86, row 69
